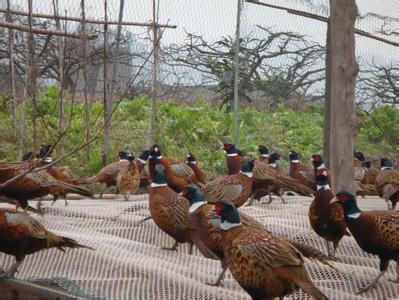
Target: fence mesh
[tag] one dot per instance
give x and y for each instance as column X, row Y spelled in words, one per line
column 128, row 263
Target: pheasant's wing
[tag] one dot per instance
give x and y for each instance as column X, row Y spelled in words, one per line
column 182, row 170
column 359, row 173
column 18, row 225
column 268, row 250
column 387, row 227
column 114, row 168
column 262, row 171
column 179, row 214
column 309, row 176
column 223, row 188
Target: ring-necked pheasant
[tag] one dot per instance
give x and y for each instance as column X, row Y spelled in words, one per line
column 376, row 232
column 35, row 184
column 107, row 175
column 203, row 216
column 268, row 179
column 265, row 266
column 191, row 161
column 128, row 179
column 326, row 219
column 21, row 235
column 234, row 158
column 170, row 213
column 263, row 153
column 387, row 183
column 178, row 174
column 236, row 187
column 145, row 178
column 298, row 170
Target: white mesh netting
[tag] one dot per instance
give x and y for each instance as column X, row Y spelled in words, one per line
column 129, row 264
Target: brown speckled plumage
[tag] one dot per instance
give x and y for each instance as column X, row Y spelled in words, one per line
column 21, row 235
column 128, row 179
column 387, row 185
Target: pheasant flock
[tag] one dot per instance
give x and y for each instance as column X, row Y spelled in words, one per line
column 205, row 214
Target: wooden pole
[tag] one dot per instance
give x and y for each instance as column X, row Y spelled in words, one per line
column 88, row 21
column 343, row 73
column 44, row 31
column 107, row 108
column 154, row 88
column 83, row 50
column 322, row 19
column 31, row 78
column 12, row 72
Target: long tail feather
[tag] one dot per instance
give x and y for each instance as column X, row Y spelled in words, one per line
column 70, row 243
column 292, row 184
column 70, row 188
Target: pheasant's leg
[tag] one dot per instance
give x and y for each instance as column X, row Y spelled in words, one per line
column 397, row 273
column 190, row 251
column 39, row 203
column 328, row 249
column 389, row 206
column 220, row 277
column 282, row 199
column 55, row 197
column 126, row 196
column 65, row 199
column 173, row 248
column 270, row 199
column 371, row 284
column 249, row 203
column 143, row 220
column 13, row 269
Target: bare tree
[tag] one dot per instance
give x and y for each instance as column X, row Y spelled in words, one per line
column 276, row 64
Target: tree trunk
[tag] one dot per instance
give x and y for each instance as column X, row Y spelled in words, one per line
column 107, row 104
column 343, row 73
column 327, row 100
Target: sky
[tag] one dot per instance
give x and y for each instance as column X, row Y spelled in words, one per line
column 216, row 18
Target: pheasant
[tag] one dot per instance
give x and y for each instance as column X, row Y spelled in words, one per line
column 178, row 174
column 203, row 217
column 234, row 158
column 265, row 266
column 376, row 232
column 263, row 153
column 35, row 184
column 298, row 170
column 21, row 235
column 236, row 187
column 128, row 179
column 141, row 162
column 326, row 219
column 107, row 175
column 170, row 213
column 387, row 183
column 191, row 161
column 268, row 179
column 358, row 159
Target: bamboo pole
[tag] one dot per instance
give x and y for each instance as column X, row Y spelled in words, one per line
column 115, row 62
column 107, row 108
column 44, row 31
column 236, row 72
column 322, row 19
column 31, row 78
column 61, row 66
column 83, row 50
column 154, row 87
column 100, row 22
column 12, row 72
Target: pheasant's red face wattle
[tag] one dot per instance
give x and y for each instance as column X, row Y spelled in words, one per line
column 184, row 192
column 342, row 198
column 218, row 208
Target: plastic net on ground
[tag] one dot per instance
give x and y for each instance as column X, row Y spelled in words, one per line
column 128, row 262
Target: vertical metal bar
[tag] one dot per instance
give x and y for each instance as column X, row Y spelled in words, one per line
column 107, row 108
column 236, row 71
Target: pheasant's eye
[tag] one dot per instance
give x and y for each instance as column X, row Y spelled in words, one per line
column 218, row 208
